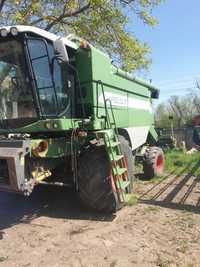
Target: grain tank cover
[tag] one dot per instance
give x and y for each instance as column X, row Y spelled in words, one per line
column 154, row 91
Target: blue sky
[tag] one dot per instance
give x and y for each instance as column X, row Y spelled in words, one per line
column 175, row 44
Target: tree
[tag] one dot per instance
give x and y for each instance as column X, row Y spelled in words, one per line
column 162, row 116
column 103, row 23
column 182, row 109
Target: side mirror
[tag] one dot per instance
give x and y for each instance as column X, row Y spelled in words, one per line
column 60, row 51
column 155, row 94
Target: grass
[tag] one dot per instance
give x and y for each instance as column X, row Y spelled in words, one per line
column 2, row 259
column 133, row 200
column 154, row 180
column 179, row 162
column 190, row 265
column 162, row 262
column 151, row 209
column 188, row 221
column 183, row 246
column 176, row 162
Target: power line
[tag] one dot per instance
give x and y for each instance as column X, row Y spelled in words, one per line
column 171, row 91
column 182, row 77
column 174, row 86
column 178, row 88
column 177, row 82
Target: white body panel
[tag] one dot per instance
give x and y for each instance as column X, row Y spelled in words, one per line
column 50, row 36
column 138, row 135
column 125, row 101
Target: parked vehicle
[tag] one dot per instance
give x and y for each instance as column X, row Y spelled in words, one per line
column 68, row 117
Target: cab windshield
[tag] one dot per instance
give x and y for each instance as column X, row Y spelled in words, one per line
column 16, row 99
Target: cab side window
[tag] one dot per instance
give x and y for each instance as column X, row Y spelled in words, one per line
column 63, row 82
column 41, row 68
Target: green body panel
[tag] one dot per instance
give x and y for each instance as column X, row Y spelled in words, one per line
column 126, row 90
column 153, row 134
column 50, row 125
column 84, row 68
column 57, row 147
column 103, row 69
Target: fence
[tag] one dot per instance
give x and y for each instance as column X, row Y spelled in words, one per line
column 184, row 134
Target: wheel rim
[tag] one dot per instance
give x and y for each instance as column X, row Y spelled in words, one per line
column 112, row 183
column 126, row 161
column 159, row 164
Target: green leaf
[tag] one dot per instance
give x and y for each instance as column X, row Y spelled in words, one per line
column 101, row 22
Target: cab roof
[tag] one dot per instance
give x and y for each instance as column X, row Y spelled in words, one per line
column 50, row 36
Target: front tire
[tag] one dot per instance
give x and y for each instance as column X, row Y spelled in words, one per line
column 95, row 180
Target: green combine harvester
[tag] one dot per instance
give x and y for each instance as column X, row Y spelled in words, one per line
column 68, row 117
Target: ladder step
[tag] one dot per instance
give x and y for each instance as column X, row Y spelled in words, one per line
column 123, row 184
column 117, row 157
column 113, row 144
column 119, row 171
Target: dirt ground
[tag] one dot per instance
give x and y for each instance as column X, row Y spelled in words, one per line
column 51, row 229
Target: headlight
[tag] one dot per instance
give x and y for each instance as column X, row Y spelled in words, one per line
column 14, row 31
column 48, row 125
column 40, row 149
column 3, row 32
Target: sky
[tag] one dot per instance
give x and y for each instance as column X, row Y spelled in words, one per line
column 175, row 44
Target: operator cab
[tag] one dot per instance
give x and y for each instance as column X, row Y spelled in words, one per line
column 36, row 80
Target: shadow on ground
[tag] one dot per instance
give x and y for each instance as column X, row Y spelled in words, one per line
column 164, row 193
column 44, row 201
column 63, row 203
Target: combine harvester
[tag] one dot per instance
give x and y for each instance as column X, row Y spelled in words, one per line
column 68, row 117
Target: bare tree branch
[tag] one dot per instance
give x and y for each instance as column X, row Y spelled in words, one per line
column 65, row 15
column 36, row 21
column 2, row 2
column 176, row 107
column 198, row 84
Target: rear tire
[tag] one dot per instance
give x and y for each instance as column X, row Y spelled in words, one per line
column 95, row 180
column 153, row 164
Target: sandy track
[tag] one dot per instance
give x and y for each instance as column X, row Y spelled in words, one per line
column 51, row 229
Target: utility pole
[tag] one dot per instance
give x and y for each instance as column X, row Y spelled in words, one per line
column 172, row 125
